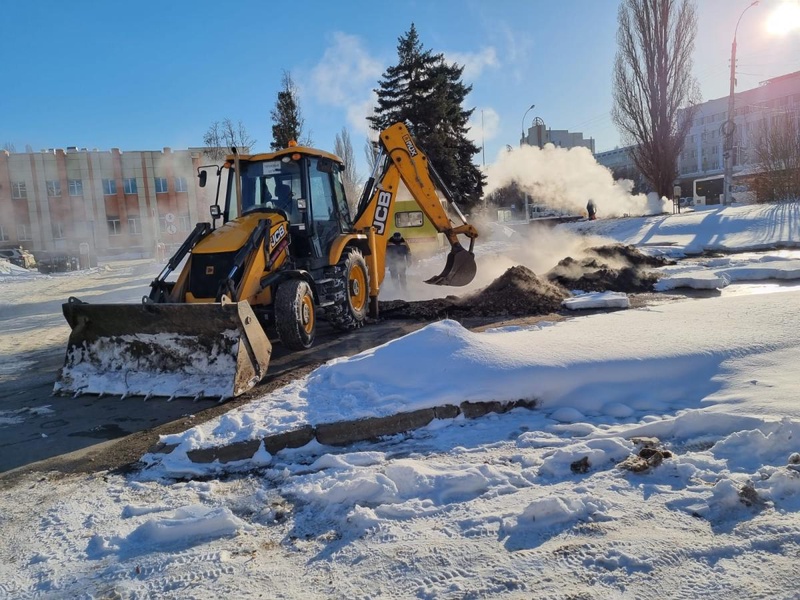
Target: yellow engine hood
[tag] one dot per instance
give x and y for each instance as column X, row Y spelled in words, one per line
column 233, row 235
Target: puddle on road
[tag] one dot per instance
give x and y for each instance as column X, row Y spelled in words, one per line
column 761, row 287
column 742, row 287
column 102, row 432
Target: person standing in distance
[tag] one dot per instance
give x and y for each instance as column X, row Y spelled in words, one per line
column 398, row 255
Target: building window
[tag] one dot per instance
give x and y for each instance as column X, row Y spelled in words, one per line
column 408, row 219
column 3, row 234
column 23, row 233
column 184, row 223
column 162, row 224
column 54, row 189
column 76, row 187
column 109, row 187
column 58, row 230
column 180, row 184
column 18, row 190
column 129, row 184
column 114, row 226
column 161, row 185
column 134, row 226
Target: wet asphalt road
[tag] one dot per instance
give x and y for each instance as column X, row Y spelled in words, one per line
column 39, row 425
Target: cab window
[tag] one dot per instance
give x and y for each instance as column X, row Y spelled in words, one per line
column 271, row 184
column 322, row 201
column 345, row 217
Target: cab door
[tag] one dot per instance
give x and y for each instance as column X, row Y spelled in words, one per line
column 324, row 217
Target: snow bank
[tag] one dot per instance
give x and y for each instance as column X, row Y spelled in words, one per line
column 597, row 300
column 178, row 529
column 586, row 368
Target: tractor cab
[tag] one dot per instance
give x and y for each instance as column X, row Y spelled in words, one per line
column 300, row 184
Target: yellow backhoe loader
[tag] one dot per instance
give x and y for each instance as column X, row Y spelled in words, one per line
column 287, row 250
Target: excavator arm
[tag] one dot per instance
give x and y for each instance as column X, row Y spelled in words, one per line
column 401, row 159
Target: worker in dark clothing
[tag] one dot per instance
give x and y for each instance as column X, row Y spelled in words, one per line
column 591, row 210
column 398, row 255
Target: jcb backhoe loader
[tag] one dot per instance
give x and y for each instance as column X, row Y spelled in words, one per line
column 287, row 250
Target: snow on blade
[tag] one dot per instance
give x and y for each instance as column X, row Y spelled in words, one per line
column 109, row 366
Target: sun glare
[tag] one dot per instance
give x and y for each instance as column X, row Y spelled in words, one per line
column 784, row 19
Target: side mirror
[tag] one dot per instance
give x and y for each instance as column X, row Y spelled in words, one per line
column 203, row 176
column 216, row 212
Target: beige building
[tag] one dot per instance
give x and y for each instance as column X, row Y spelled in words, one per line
column 703, row 151
column 702, row 158
column 110, row 203
column 539, row 135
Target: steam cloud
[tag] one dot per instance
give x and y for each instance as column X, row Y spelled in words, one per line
column 566, row 179
column 559, row 178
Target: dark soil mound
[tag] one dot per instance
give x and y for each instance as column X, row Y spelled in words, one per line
column 518, row 292
column 631, row 255
column 593, row 274
column 422, row 310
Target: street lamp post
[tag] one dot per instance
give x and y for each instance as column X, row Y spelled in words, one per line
column 522, row 139
column 730, row 125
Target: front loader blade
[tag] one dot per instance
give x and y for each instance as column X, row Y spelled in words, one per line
column 459, row 269
column 172, row 350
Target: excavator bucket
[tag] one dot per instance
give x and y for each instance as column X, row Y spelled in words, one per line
column 459, row 269
column 172, row 350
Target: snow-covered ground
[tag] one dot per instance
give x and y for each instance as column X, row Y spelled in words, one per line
column 531, row 503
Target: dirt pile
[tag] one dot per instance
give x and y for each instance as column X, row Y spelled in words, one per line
column 519, row 292
column 516, row 293
column 614, row 268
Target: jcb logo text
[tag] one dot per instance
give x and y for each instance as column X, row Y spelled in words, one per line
column 276, row 237
column 382, row 212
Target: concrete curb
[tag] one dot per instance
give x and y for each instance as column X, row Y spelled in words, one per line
column 343, row 433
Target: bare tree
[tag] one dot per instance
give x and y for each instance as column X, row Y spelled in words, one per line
column 371, row 153
column 654, row 91
column 777, row 152
column 219, row 138
column 9, row 147
column 343, row 148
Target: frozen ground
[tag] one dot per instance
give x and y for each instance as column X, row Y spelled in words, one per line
column 525, row 504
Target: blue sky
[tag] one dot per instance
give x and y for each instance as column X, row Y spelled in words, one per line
column 145, row 75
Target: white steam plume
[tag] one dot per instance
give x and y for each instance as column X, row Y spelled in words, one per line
column 566, row 179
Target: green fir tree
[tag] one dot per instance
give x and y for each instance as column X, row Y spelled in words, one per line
column 425, row 92
column 287, row 121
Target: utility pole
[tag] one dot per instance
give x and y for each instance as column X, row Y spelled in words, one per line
column 483, row 137
column 729, row 127
column 522, row 139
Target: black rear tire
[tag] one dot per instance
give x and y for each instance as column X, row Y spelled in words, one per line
column 295, row 320
column 350, row 310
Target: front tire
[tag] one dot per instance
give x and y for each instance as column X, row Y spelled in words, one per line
column 295, row 320
column 350, row 311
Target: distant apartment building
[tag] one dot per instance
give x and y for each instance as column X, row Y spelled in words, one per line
column 703, row 151
column 616, row 159
column 110, row 203
column 539, row 135
column 702, row 156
